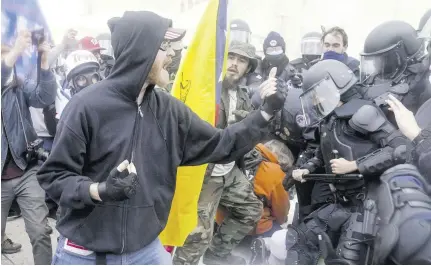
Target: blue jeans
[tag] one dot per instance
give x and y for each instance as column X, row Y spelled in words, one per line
column 154, row 254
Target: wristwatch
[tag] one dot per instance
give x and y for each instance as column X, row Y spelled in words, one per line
column 424, row 134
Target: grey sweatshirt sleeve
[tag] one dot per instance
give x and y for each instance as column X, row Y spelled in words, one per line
column 44, row 93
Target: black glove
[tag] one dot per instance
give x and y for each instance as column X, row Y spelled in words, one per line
column 120, row 185
column 275, row 102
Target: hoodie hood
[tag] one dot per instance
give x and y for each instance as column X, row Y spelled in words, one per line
column 136, row 38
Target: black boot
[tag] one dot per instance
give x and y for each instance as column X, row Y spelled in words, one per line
column 299, row 252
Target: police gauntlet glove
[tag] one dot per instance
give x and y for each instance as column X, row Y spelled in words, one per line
column 120, row 185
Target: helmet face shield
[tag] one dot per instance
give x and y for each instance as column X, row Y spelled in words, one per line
column 382, row 67
column 311, row 46
column 240, row 35
column 319, row 101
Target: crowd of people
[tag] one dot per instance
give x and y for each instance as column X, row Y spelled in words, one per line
column 94, row 141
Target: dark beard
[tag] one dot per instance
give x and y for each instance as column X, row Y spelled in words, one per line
column 229, row 83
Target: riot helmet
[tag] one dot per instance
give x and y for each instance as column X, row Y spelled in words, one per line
column 388, row 50
column 311, row 46
column 82, row 70
column 240, row 31
column 325, row 85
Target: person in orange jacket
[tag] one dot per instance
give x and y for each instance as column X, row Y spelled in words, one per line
column 268, row 161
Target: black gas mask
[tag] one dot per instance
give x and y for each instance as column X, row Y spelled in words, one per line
column 83, row 80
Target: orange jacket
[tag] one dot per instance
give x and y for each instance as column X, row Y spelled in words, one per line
column 268, row 184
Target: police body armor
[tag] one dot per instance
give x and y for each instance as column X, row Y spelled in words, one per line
column 412, row 89
column 337, row 134
column 404, row 209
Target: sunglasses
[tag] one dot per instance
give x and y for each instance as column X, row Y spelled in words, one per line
column 165, row 45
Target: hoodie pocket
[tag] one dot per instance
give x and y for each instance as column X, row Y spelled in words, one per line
column 142, row 227
column 101, row 230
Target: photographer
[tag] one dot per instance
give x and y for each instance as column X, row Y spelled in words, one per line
column 19, row 153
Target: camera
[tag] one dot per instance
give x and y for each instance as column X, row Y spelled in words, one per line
column 38, row 37
column 35, row 151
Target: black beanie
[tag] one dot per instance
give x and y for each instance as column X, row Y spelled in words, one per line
column 274, row 39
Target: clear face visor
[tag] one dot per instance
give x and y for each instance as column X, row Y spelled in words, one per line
column 311, row 46
column 239, row 35
column 381, row 68
column 319, row 101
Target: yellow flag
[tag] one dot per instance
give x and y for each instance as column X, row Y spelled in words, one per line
column 198, row 85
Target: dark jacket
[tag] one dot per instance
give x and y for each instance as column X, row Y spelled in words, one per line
column 243, row 105
column 16, row 119
column 102, row 126
column 353, row 64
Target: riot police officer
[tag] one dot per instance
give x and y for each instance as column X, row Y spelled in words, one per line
column 404, row 202
column 394, row 62
column 288, row 126
column 311, row 50
column 366, row 142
